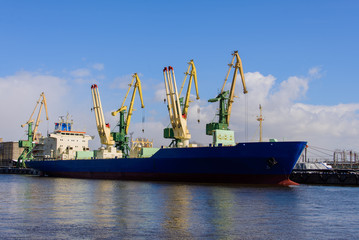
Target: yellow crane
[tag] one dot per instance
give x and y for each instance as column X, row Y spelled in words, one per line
column 42, row 103
column 120, row 137
column 178, row 117
column 103, row 129
column 29, row 144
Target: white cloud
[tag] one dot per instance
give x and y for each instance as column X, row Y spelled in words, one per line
column 121, row 82
column 259, row 87
column 83, row 76
column 80, row 73
column 293, row 89
column 315, row 72
column 333, row 127
column 160, row 94
column 101, row 77
column 286, row 118
column 18, row 96
column 98, row 66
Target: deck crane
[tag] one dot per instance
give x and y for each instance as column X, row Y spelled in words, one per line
column 103, row 128
column 29, row 144
column 178, row 116
column 120, row 137
column 225, row 104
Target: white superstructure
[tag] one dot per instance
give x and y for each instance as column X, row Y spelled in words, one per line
column 66, row 144
column 63, row 143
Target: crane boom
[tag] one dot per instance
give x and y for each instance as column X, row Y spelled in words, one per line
column 193, row 75
column 168, row 96
column 43, row 103
column 138, row 86
column 174, row 97
column 237, row 67
column 130, row 110
column 102, row 128
column 179, row 130
column 120, row 138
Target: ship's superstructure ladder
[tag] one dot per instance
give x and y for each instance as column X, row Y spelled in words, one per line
column 120, row 138
column 32, row 138
column 226, row 98
column 178, row 109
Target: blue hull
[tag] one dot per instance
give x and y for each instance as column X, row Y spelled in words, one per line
column 263, row 163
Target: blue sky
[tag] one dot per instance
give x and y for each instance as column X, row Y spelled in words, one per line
column 305, row 54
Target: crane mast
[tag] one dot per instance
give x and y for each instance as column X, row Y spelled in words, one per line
column 103, row 129
column 225, row 99
column 121, row 139
column 29, row 144
column 178, row 109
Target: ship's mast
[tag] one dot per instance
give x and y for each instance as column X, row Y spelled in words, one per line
column 260, row 119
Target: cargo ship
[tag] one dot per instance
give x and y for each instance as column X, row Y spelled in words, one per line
column 247, row 163
column 65, row 153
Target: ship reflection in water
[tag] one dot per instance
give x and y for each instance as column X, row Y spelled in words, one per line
column 56, row 208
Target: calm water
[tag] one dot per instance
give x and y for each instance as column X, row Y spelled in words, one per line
column 56, row 208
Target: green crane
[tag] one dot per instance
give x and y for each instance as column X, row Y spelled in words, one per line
column 225, row 98
column 29, row 144
column 120, row 137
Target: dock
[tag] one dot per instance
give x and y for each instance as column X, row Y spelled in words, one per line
column 326, row 176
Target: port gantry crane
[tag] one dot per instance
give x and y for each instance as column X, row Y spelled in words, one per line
column 29, row 144
column 226, row 137
column 178, row 116
column 120, row 137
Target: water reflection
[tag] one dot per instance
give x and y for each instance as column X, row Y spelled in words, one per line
column 42, row 208
column 176, row 209
column 224, row 210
